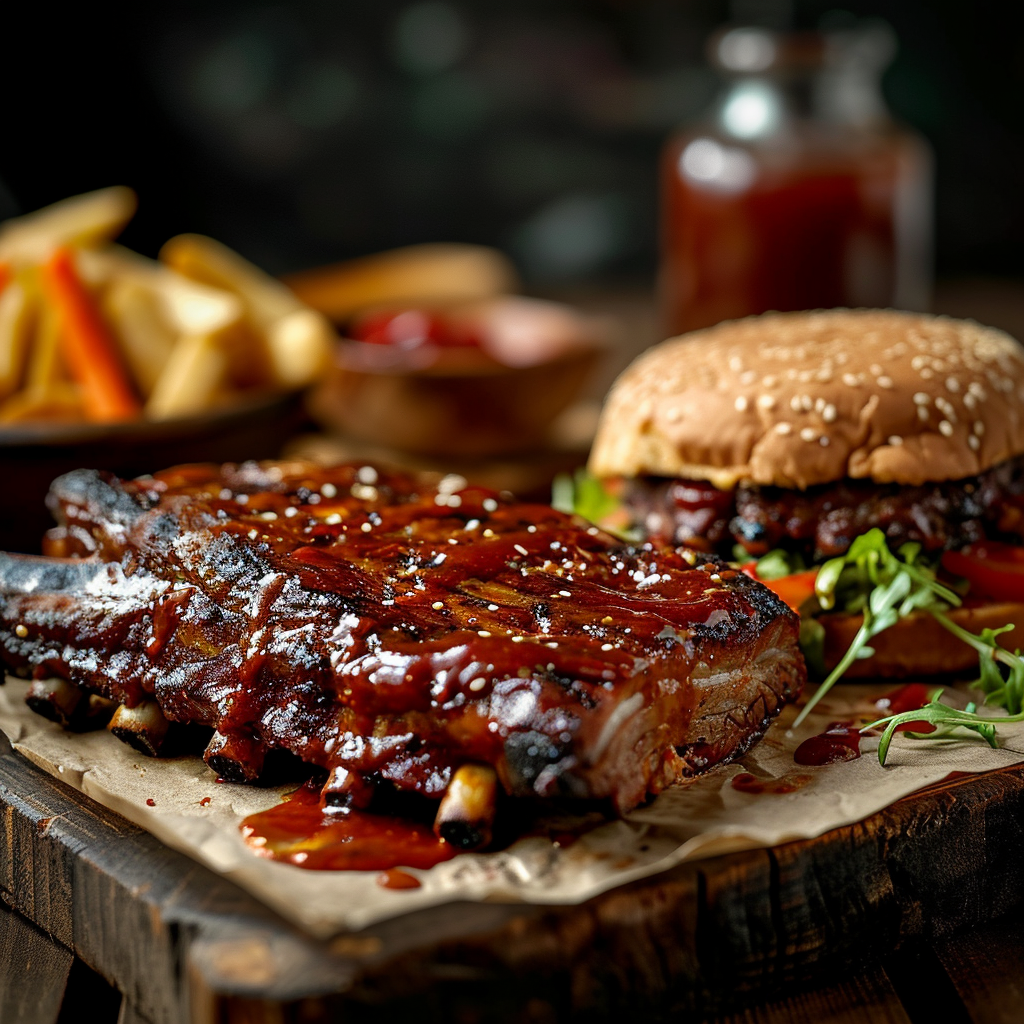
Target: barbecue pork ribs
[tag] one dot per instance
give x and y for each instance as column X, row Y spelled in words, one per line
column 392, row 631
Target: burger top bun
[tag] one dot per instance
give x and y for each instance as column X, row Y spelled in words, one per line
column 798, row 399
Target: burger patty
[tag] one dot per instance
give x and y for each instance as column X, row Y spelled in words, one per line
column 822, row 522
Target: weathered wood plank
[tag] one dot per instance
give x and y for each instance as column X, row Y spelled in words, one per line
column 33, row 971
column 868, row 996
column 923, row 985
column 90, row 995
column 986, row 967
column 129, row 1014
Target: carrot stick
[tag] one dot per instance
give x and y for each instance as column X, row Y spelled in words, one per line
column 5, row 275
column 87, row 344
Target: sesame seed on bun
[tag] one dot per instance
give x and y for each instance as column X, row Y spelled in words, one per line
column 799, row 399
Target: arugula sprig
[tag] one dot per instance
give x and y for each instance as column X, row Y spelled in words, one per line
column 882, row 586
column 1000, row 691
column 946, row 720
column 885, row 587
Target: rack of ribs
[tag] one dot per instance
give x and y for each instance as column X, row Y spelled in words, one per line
column 427, row 636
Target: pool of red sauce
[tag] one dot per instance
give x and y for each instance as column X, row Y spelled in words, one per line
column 299, row 831
column 907, row 698
column 747, row 783
column 839, row 742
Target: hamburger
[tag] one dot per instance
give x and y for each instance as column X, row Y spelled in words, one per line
column 815, row 448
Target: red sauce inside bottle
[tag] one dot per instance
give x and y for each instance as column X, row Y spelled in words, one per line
column 907, row 698
column 809, row 232
column 839, row 742
column 299, row 831
column 747, row 783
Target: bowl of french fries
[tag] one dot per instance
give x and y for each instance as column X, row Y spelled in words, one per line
column 112, row 360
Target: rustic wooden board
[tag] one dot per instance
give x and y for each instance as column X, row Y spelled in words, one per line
column 870, row 997
column 185, row 945
column 34, row 971
column 987, row 968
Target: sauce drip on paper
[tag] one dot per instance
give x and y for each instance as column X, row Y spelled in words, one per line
column 839, row 742
column 747, row 783
column 299, row 831
column 396, row 878
column 907, row 698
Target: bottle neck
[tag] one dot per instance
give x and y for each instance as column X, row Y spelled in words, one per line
column 757, row 106
column 779, row 79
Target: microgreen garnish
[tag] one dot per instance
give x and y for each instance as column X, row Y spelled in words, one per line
column 774, row 565
column 886, row 587
column 898, row 586
column 588, row 497
column 946, row 720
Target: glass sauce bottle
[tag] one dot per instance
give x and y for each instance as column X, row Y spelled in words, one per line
column 797, row 190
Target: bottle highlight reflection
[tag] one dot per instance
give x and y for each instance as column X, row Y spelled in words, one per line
column 797, row 190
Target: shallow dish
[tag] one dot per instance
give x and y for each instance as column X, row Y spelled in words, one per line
column 477, row 379
column 462, row 404
column 33, row 454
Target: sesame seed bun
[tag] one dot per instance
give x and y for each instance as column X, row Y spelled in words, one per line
column 798, row 399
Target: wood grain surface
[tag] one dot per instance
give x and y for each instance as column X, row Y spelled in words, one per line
column 709, row 940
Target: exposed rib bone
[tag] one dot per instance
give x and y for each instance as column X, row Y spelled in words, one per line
column 466, row 814
column 237, row 757
column 142, row 727
column 346, row 789
column 56, row 699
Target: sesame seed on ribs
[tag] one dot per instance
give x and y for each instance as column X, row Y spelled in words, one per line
column 391, row 630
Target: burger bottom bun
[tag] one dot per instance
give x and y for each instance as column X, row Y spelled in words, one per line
column 918, row 645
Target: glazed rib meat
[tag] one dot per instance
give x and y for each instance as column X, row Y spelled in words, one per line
column 392, row 631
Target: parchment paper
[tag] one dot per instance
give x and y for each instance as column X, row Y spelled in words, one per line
column 702, row 819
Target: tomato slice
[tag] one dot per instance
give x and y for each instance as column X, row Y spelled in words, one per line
column 794, row 589
column 992, row 569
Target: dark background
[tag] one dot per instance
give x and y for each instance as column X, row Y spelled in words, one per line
column 308, row 132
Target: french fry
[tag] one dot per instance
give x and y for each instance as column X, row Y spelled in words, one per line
column 192, row 378
column 16, row 320
column 299, row 340
column 44, row 363
column 208, row 261
column 300, row 347
column 84, row 220
column 86, row 344
column 59, row 402
column 146, row 338
column 190, row 307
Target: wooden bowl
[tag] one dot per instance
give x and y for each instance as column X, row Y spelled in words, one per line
column 461, row 404
column 497, row 397
column 32, row 455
